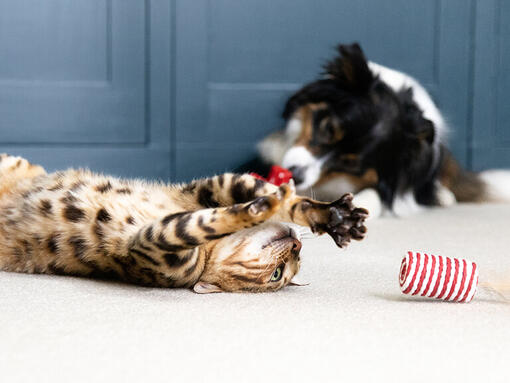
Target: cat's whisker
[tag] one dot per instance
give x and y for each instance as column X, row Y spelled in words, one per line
column 305, row 234
column 274, row 258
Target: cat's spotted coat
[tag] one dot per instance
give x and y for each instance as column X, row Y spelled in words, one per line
column 211, row 234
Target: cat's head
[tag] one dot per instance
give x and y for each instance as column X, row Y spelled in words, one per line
column 262, row 258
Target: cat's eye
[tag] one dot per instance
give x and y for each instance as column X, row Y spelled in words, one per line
column 278, row 273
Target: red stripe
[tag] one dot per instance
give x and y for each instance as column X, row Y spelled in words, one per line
column 403, row 272
column 462, row 282
column 455, row 276
column 432, row 269
column 409, row 288
column 410, row 253
column 473, row 270
column 438, row 277
column 423, row 273
column 410, row 263
column 447, row 279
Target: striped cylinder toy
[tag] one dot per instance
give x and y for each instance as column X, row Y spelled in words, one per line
column 435, row 276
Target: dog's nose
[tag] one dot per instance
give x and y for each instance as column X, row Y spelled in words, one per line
column 298, row 174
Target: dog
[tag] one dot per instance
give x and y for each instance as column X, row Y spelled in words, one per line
column 371, row 130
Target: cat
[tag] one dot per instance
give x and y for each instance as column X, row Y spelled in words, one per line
column 223, row 233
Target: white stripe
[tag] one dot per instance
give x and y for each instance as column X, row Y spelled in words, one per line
column 450, row 280
column 417, row 279
column 441, row 277
column 427, row 274
column 469, row 271
column 434, row 276
column 459, row 280
column 473, row 286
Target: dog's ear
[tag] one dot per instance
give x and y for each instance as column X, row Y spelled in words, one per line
column 415, row 124
column 350, row 69
column 425, row 130
column 421, row 129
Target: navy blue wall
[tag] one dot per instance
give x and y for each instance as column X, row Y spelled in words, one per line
column 177, row 89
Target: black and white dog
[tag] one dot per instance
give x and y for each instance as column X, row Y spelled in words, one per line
column 371, row 130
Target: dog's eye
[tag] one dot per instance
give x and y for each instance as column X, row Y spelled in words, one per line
column 328, row 133
column 350, row 161
column 278, row 273
column 326, row 129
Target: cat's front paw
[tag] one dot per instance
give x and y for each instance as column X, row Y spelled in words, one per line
column 345, row 221
column 263, row 207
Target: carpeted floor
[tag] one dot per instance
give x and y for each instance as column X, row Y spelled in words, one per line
column 350, row 324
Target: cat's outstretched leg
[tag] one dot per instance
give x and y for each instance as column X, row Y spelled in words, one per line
column 14, row 170
column 187, row 230
column 166, row 252
column 340, row 219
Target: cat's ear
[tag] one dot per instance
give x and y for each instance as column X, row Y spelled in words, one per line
column 297, row 282
column 206, row 288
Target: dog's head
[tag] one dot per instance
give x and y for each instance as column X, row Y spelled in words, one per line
column 350, row 122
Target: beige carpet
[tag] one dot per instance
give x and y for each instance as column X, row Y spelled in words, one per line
column 350, row 324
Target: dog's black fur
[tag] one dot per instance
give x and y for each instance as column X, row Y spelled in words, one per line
column 380, row 129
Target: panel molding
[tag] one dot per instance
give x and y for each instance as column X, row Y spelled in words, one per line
column 489, row 147
column 39, row 41
column 74, row 111
column 150, row 156
column 454, row 73
column 278, row 86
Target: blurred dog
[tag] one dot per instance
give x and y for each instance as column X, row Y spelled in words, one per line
column 371, row 130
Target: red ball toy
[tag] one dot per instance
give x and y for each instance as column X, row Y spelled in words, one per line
column 277, row 175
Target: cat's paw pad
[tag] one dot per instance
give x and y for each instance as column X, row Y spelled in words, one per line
column 345, row 221
column 263, row 206
column 285, row 191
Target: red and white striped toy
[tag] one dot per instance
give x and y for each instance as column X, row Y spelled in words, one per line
column 435, row 276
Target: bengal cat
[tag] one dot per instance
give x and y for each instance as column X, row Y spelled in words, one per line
column 210, row 234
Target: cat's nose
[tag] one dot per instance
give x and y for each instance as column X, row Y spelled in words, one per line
column 296, row 246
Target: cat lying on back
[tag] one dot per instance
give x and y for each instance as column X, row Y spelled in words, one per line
column 218, row 234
